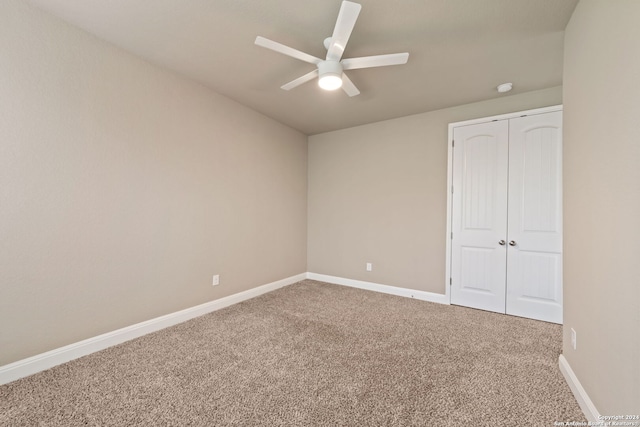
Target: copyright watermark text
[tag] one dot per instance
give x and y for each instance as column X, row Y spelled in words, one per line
column 604, row 421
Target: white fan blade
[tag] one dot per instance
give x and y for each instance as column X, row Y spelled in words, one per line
column 300, row 80
column 348, row 86
column 286, row 50
column 375, row 61
column 347, row 17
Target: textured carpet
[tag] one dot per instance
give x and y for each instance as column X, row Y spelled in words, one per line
column 312, row 354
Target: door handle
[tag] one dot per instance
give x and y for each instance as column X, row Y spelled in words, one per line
column 512, row 243
column 502, row 242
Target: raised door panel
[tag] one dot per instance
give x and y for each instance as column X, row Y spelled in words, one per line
column 479, row 220
column 534, row 262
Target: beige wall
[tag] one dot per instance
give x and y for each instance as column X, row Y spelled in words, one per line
column 124, row 188
column 377, row 193
column 602, row 201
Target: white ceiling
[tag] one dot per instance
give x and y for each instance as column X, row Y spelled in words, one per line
column 460, row 50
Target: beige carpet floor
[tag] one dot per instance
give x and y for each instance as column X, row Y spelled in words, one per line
column 312, row 354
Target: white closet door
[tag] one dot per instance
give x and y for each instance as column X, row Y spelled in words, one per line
column 479, row 222
column 534, row 257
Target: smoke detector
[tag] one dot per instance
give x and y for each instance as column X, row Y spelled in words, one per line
column 505, row 87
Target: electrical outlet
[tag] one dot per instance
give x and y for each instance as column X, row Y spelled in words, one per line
column 573, row 338
column 216, row 280
column 369, row 266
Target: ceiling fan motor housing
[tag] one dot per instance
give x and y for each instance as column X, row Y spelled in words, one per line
column 330, row 67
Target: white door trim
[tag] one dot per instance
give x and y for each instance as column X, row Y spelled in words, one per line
column 450, row 175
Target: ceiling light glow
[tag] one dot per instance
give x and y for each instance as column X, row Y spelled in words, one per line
column 330, row 81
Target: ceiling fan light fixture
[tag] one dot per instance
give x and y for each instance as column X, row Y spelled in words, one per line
column 330, row 81
column 330, row 75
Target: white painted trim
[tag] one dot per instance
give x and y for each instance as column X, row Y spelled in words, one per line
column 447, row 275
column 40, row 362
column 385, row 289
column 587, row 406
column 507, row 116
column 542, row 110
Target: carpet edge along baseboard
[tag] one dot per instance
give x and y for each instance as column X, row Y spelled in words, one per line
column 40, row 362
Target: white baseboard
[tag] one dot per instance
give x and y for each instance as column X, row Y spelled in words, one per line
column 40, row 362
column 587, row 406
column 385, row 289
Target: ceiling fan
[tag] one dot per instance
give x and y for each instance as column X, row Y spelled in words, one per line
column 330, row 70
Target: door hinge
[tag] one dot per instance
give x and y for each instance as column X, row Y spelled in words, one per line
column 453, row 143
column 452, row 235
column 450, row 281
column 452, row 189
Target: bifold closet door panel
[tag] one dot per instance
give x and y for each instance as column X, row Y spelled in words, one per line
column 534, row 261
column 479, row 222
